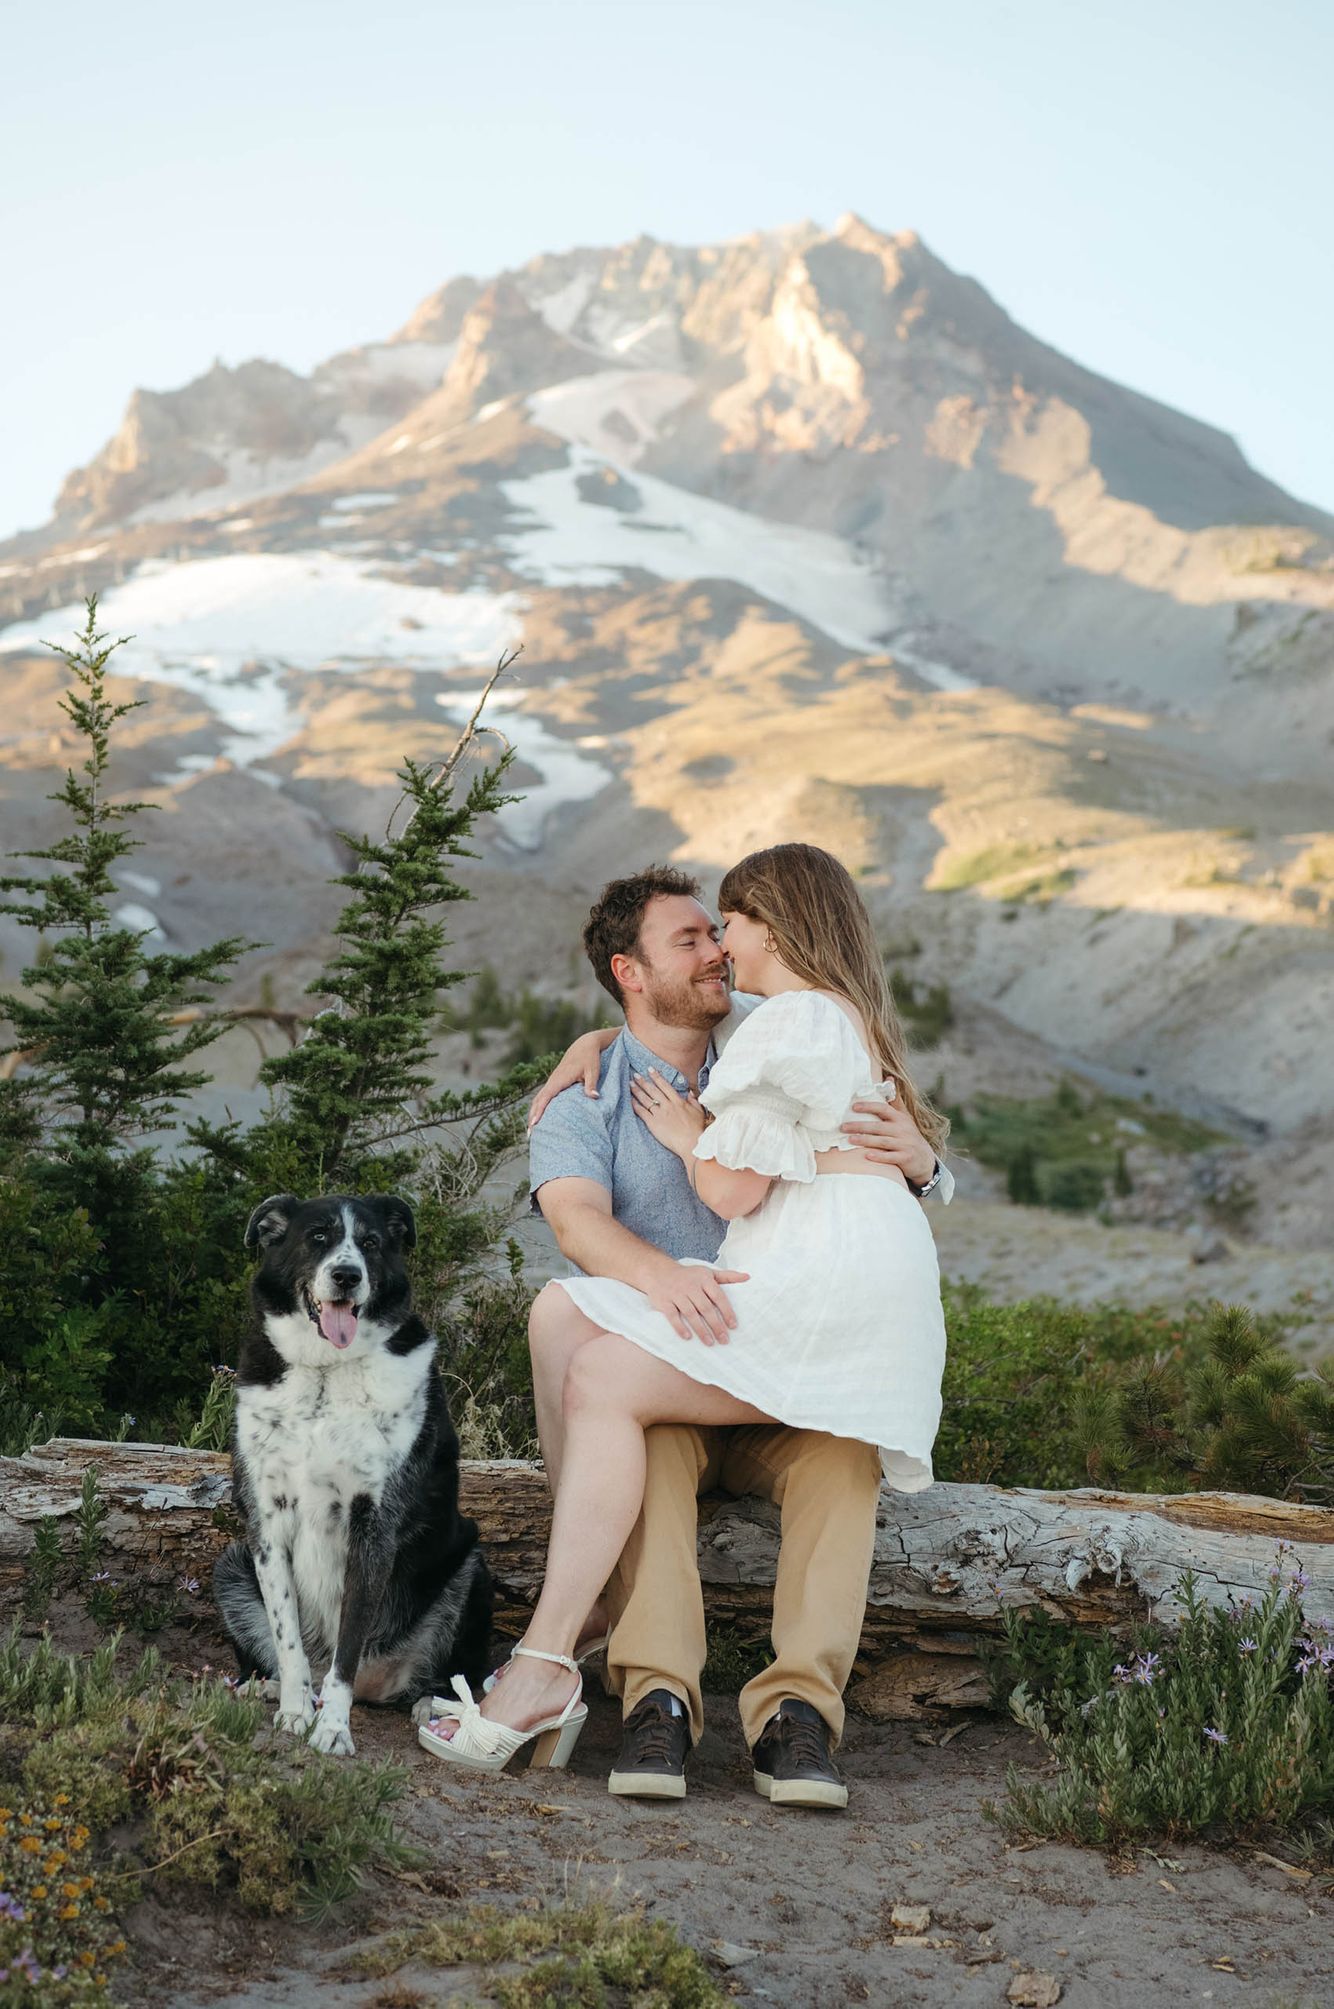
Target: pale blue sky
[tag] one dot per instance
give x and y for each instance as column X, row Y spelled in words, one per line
column 1147, row 186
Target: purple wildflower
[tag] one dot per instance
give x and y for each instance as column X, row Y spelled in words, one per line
column 1297, row 1583
column 190, row 1585
column 1214, row 1736
column 1247, row 1645
column 103, row 1576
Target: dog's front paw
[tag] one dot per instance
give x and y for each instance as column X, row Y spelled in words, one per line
column 297, row 1719
column 332, row 1736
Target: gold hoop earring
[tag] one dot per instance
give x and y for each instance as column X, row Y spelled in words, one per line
column 769, row 942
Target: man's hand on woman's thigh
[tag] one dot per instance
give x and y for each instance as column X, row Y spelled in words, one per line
column 694, row 1300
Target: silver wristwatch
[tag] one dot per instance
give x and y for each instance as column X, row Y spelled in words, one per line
column 921, row 1192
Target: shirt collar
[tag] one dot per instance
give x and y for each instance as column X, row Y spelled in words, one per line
column 642, row 1058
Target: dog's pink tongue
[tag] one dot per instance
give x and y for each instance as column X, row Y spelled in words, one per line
column 338, row 1323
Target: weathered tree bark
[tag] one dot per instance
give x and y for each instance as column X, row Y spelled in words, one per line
column 945, row 1560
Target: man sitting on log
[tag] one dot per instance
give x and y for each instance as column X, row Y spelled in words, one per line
column 621, row 1205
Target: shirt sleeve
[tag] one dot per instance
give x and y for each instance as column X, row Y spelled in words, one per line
column 792, row 1066
column 570, row 1141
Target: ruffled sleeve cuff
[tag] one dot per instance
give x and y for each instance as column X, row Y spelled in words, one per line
column 756, row 1140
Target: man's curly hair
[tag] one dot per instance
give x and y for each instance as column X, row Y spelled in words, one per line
column 618, row 915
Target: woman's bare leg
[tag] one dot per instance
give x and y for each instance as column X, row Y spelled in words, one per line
column 556, row 1330
column 613, row 1392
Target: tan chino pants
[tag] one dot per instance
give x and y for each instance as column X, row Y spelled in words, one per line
column 826, row 1489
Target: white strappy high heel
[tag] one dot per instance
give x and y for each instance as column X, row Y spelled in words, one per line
column 487, row 1746
column 591, row 1650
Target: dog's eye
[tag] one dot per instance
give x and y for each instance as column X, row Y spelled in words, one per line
column 370, row 1241
column 318, row 1236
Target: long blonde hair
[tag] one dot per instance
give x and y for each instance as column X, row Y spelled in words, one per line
column 824, row 936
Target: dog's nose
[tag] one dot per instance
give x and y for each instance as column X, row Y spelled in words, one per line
column 345, row 1279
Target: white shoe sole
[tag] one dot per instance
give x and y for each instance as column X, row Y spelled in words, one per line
column 647, row 1785
column 800, row 1792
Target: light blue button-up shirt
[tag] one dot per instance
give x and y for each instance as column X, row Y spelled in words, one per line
column 651, row 1194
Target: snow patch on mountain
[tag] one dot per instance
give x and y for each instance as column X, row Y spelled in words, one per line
column 615, row 412
column 563, row 539
column 233, row 630
column 562, row 308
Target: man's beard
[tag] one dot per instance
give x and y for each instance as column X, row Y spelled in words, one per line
column 692, row 1004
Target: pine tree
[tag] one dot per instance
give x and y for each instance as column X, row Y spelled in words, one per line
column 1021, row 1177
column 104, row 1058
column 358, row 1084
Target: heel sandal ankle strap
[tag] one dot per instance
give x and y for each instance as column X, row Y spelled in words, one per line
column 533, row 1653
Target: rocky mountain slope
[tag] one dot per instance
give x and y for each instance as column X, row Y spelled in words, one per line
column 802, row 536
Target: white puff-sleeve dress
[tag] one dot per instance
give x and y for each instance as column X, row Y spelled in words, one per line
column 839, row 1326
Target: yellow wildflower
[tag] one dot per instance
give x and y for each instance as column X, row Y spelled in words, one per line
column 71, row 1889
column 69, row 1911
column 87, row 1959
column 30, row 1845
column 117, row 1946
column 61, row 1800
column 51, row 1821
column 57, row 1859
column 101, row 1904
column 39, row 1890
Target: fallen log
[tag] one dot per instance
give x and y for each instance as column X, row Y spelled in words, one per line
column 947, row 1561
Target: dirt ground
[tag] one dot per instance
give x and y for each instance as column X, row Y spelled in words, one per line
column 791, row 1908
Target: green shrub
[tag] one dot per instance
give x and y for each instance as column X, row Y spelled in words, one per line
column 484, row 1359
column 927, row 1012
column 1065, row 1149
column 975, row 868
column 1053, row 1395
column 183, row 1767
column 1073, row 1184
column 1224, row 1728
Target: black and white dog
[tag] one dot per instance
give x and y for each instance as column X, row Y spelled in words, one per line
column 346, row 1469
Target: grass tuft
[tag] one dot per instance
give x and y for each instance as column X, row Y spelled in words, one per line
column 586, row 1956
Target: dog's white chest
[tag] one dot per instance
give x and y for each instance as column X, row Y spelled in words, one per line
column 332, row 1433
column 314, row 1444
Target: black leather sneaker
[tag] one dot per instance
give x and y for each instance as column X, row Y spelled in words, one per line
column 651, row 1763
column 793, row 1767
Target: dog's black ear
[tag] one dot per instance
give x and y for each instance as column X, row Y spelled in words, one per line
column 398, row 1218
column 268, row 1223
